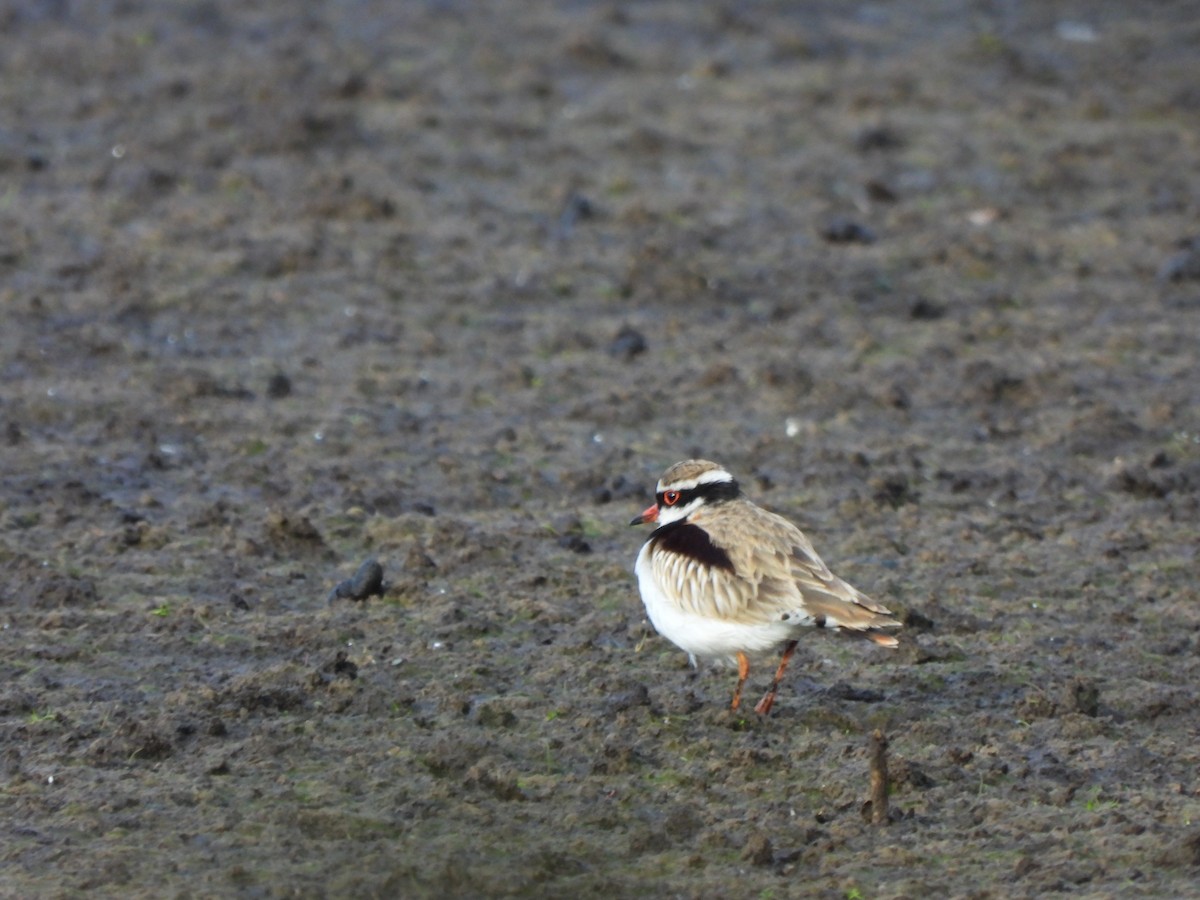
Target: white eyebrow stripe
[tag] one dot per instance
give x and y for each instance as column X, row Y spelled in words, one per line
column 712, row 477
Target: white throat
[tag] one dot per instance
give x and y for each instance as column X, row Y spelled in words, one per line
column 669, row 514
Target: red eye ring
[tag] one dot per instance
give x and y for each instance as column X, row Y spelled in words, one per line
column 670, row 497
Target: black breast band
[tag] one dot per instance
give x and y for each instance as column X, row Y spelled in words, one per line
column 693, row 542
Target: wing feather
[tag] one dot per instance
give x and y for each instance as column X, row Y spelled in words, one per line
column 776, row 574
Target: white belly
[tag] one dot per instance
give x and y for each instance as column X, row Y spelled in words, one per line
column 704, row 636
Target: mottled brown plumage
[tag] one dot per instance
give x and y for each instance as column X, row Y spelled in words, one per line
column 722, row 577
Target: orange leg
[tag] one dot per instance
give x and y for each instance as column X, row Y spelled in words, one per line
column 743, row 674
column 768, row 700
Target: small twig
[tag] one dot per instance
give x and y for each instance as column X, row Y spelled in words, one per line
column 879, row 779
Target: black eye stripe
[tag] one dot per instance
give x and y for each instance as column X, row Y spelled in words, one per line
column 684, row 498
column 712, row 491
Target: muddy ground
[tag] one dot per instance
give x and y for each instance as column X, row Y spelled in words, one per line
column 286, row 287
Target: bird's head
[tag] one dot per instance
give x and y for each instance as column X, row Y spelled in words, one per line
column 684, row 488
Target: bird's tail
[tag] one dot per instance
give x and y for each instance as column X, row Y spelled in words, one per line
column 860, row 614
column 883, row 640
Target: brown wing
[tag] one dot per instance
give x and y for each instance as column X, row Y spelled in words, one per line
column 777, row 573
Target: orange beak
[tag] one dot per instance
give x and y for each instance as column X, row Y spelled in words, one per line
column 649, row 514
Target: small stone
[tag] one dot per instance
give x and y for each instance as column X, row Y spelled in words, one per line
column 343, row 665
column 628, row 343
column 923, row 310
column 844, row 230
column 1182, row 266
column 576, row 208
column 575, row 543
column 880, row 191
column 367, row 582
column 878, row 137
column 917, row 621
column 279, row 386
column 636, row 696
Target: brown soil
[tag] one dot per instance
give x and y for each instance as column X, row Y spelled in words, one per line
column 448, row 285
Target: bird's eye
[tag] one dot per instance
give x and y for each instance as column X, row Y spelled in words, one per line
column 670, row 497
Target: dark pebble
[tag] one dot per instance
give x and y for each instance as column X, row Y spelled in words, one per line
column 628, row 343
column 881, row 192
column 878, row 137
column 343, row 666
column 926, row 311
column 279, row 386
column 843, row 230
column 576, row 208
column 636, row 696
column 574, row 543
column 1184, row 265
column 917, row 621
column 367, row 582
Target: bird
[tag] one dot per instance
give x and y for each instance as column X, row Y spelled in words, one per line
column 723, row 578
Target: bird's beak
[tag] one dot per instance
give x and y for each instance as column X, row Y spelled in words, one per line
column 649, row 514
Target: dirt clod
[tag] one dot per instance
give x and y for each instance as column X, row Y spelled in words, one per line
column 758, row 850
